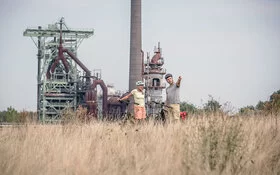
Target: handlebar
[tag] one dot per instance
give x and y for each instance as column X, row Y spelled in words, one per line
column 127, row 102
column 162, row 104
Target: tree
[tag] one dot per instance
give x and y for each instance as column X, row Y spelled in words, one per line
column 247, row 110
column 3, row 116
column 272, row 97
column 212, row 105
column 275, row 102
column 260, row 106
column 190, row 108
column 11, row 115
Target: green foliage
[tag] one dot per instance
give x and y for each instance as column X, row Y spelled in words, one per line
column 275, row 102
column 272, row 106
column 11, row 115
column 190, row 108
column 3, row 116
column 274, row 95
column 260, row 105
column 247, row 110
column 212, row 105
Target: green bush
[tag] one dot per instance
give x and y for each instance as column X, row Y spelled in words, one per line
column 11, row 115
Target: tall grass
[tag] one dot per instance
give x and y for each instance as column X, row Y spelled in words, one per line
column 199, row 145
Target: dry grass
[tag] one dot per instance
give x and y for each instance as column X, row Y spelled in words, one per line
column 200, row 145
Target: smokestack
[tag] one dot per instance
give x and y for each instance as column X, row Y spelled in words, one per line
column 135, row 67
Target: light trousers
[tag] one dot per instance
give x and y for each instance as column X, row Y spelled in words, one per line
column 173, row 113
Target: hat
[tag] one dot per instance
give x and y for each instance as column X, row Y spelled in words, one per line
column 168, row 75
column 139, row 83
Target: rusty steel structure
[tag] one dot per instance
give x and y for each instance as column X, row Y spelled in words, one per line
column 153, row 74
column 63, row 81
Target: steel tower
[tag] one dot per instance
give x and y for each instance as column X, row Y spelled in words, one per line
column 61, row 84
column 154, row 81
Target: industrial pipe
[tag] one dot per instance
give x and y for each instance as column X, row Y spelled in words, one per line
column 93, row 96
column 77, row 61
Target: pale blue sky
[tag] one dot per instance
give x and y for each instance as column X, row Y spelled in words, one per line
column 227, row 48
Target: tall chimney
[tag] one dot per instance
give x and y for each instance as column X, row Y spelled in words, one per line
column 135, row 67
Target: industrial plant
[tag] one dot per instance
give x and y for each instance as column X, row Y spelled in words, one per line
column 64, row 82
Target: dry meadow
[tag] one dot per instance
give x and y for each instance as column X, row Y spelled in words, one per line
column 199, row 145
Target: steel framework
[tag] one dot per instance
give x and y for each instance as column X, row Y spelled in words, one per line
column 61, row 84
column 153, row 72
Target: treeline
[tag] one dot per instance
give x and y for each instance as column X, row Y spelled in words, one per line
column 211, row 106
column 11, row 115
column 272, row 106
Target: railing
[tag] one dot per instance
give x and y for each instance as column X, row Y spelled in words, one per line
column 155, row 71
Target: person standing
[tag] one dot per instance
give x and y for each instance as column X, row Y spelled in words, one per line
column 139, row 100
column 173, row 98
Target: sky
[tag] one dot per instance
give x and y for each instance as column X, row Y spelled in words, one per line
column 229, row 49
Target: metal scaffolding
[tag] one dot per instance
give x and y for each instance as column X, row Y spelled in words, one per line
column 61, row 84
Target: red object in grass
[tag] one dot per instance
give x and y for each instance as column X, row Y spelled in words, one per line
column 183, row 115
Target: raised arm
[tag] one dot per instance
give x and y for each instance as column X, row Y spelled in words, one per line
column 178, row 81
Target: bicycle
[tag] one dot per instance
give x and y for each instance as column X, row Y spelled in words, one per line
column 161, row 115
